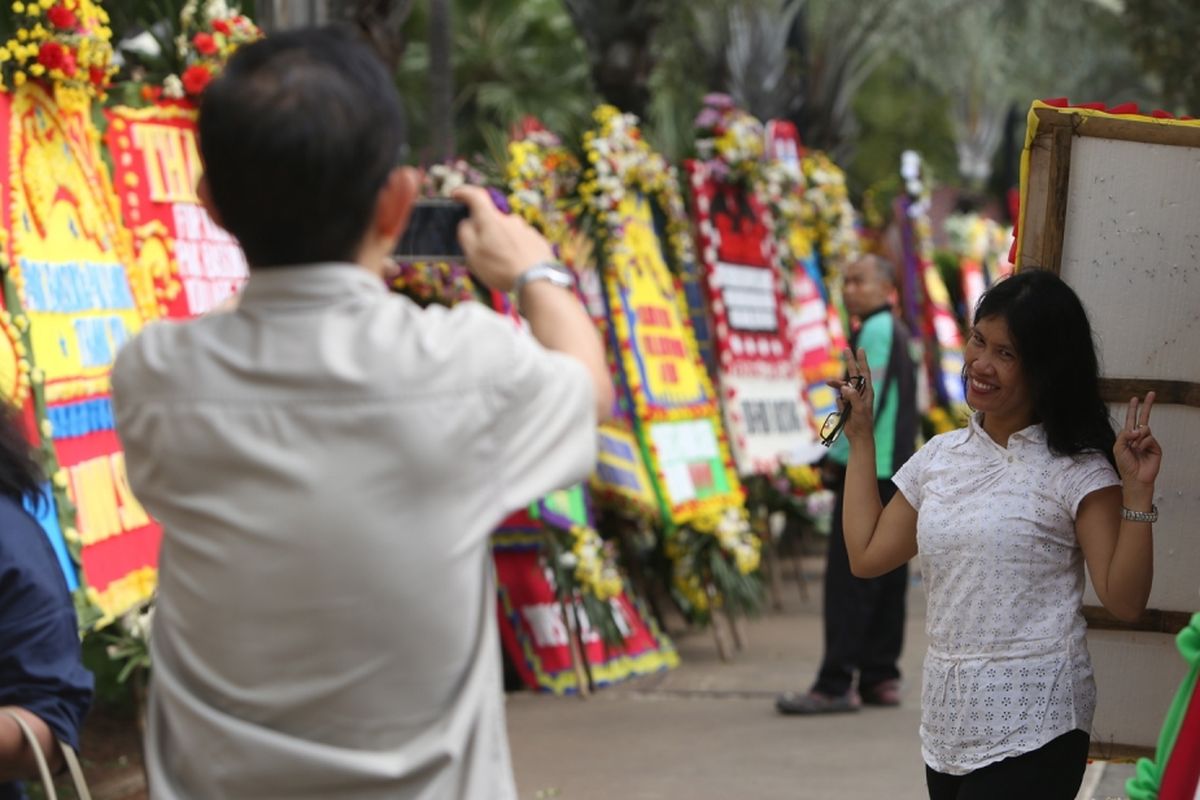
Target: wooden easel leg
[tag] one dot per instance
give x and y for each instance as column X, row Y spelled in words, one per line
column 582, row 645
column 735, row 627
column 582, row 682
column 771, row 555
column 715, row 622
column 797, row 559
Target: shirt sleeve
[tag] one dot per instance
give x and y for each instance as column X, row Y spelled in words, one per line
column 1085, row 474
column 546, row 422
column 40, row 661
column 910, row 478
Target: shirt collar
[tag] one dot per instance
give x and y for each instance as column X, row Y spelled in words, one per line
column 308, row 285
column 1034, row 434
column 886, row 307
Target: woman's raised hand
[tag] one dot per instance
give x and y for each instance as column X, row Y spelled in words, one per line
column 861, row 401
column 1137, row 452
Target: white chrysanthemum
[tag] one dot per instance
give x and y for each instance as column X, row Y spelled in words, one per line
column 173, row 87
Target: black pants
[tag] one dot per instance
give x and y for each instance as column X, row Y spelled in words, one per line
column 864, row 618
column 1052, row 772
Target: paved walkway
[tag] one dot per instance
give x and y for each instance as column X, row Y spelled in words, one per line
column 709, row 729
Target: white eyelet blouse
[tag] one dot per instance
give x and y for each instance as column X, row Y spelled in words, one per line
column 1008, row 668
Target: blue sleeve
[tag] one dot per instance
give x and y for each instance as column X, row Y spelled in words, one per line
column 40, row 660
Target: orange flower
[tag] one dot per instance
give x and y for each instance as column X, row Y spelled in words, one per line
column 151, row 94
column 195, row 79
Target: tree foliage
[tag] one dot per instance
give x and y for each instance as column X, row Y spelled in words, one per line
column 511, row 58
column 1164, row 35
column 618, row 35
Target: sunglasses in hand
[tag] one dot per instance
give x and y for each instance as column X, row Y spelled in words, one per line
column 832, row 428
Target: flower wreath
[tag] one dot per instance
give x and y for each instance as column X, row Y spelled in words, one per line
column 62, row 42
column 540, row 175
column 617, row 157
column 829, row 213
column 714, row 554
column 209, row 34
column 619, row 160
column 714, row 559
column 584, row 572
column 731, row 139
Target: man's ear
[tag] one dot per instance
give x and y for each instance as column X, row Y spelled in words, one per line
column 204, row 192
column 395, row 202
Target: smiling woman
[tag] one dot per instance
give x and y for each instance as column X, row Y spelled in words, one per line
column 1004, row 515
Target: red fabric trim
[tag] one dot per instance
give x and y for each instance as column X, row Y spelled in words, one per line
column 1125, row 108
column 78, row 449
column 117, row 556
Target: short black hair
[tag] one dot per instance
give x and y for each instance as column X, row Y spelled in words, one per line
column 298, row 135
column 21, row 476
column 1053, row 337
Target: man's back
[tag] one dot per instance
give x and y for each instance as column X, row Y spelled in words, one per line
column 325, row 624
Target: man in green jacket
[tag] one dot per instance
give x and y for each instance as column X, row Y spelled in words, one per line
column 864, row 618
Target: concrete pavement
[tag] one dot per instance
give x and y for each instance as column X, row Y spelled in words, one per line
column 708, row 729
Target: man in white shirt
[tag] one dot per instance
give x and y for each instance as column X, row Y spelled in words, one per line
column 328, row 459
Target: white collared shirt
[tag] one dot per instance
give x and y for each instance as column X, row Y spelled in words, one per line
column 1007, row 668
column 327, row 462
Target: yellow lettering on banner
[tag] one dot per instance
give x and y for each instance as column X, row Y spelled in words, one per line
column 133, row 516
column 96, row 500
column 72, row 261
column 172, row 162
column 671, row 372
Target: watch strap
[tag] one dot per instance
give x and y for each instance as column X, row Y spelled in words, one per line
column 551, row 271
column 1140, row 516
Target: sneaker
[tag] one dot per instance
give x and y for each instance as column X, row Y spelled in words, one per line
column 884, row 693
column 816, row 703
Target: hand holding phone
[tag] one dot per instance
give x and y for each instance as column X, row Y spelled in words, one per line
column 432, row 232
column 499, row 247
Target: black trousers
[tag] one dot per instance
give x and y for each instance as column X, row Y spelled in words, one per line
column 864, row 618
column 1052, row 772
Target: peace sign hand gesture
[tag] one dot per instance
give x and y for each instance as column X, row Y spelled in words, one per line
column 1137, row 452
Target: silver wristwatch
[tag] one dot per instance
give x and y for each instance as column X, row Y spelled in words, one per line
column 551, row 271
column 1140, row 516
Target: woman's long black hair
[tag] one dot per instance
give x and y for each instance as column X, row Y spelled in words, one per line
column 20, row 475
column 1053, row 337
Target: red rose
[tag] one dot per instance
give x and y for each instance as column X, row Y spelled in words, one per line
column 195, row 79
column 69, row 65
column 221, row 26
column 97, row 76
column 206, row 45
column 50, row 55
column 61, row 17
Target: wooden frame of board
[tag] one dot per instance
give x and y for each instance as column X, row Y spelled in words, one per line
column 1045, row 187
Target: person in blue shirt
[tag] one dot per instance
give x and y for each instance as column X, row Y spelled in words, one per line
column 864, row 618
column 42, row 677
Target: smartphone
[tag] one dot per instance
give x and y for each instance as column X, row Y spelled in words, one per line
column 432, row 232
